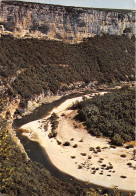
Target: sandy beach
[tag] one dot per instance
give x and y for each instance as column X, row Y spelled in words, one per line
column 87, row 157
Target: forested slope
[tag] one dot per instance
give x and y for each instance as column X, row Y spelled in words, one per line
column 31, row 66
column 111, row 115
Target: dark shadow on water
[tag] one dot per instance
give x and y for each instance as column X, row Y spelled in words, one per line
column 42, row 110
column 36, row 153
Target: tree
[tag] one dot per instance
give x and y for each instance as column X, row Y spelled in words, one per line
column 117, row 140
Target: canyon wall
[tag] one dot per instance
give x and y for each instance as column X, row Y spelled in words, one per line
column 27, row 20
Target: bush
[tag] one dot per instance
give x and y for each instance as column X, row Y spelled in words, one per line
column 104, row 165
column 91, row 149
column 89, row 157
column 98, row 147
column 66, row 144
column 107, row 168
column 79, row 167
column 83, row 154
column 123, row 176
column 129, row 164
column 98, row 150
column 117, row 140
column 112, row 146
column 81, row 140
column 123, row 155
column 75, row 146
column 73, row 157
column 58, row 142
column 129, row 146
column 127, row 30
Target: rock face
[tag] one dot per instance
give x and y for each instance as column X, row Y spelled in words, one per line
column 26, row 20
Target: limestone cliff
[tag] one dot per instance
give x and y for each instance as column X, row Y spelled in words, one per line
column 69, row 24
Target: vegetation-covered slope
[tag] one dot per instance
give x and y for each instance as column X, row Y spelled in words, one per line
column 21, row 177
column 32, row 66
column 110, row 115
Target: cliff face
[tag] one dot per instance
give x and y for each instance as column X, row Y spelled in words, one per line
column 69, row 24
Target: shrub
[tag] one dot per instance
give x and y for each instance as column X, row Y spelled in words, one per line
column 89, row 157
column 112, row 146
column 104, row 165
column 129, row 146
column 107, row 168
column 129, row 164
column 54, row 121
column 53, row 134
column 98, row 147
column 91, row 149
column 79, row 167
column 66, row 143
column 75, row 146
column 105, row 147
column 123, row 176
column 63, row 114
column 75, row 126
column 81, row 140
column 58, row 142
column 98, row 150
column 83, row 154
column 127, row 30
column 117, row 140
column 95, row 151
column 73, row 157
column 123, row 155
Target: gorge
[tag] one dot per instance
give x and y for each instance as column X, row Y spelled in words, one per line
column 49, row 52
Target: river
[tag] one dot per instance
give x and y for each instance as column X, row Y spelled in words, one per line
column 33, row 149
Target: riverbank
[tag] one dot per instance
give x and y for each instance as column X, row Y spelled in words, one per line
column 86, row 157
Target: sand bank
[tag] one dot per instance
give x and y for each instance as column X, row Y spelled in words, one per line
column 87, row 158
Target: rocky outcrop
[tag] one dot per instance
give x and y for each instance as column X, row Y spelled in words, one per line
column 26, row 20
